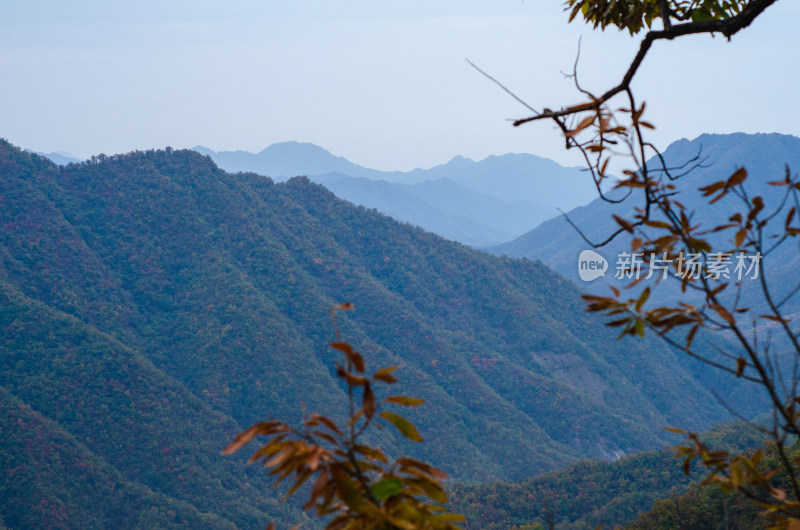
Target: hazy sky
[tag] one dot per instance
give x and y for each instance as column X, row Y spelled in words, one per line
column 383, row 83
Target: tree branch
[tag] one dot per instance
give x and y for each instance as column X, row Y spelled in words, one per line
column 728, row 28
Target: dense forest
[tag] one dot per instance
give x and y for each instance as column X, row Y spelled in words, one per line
column 151, row 305
column 612, row 494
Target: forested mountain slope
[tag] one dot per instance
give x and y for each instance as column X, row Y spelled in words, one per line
column 586, row 495
column 151, row 305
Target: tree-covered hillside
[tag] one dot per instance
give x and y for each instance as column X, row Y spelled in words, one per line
column 612, row 494
column 151, row 305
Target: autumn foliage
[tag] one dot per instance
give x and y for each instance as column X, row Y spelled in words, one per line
column 354, row 483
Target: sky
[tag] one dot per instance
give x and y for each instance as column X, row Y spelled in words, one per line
column 383, row 83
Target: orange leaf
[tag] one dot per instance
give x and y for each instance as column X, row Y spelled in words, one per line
column 368, row 402
column 740, row 235
column 244, row 437
column 623, row 223
column 327, row 422
column 581, row 126
column 724, row 313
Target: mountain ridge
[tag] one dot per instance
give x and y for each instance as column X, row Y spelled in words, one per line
column 522, row 189
column 765, row 155
column 153, row 304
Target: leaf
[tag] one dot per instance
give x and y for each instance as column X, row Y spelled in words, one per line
column 351, row 379
column 657, row 224
column 639, row 327
column 623, row 223
column 699, row 244
column 342, row 347
column 405, row 427
column 368, row 402
column 345, row 488
column 642, row 299
column 299, row 482
column 775, row 318
column 737, row 178
column 386, row 488
column 405, row 401
column 370, row 452
column 431, row 488
column 724, row 313
column 712, row 188
column 406, row 463
column 604, row 166
column 740, row 235
column 450, row 517
column 587, row 121
column 690, row 336
column 313, row 460
column 327, row 422
column 741, row 364
column 385, row 375
column 244, row 437
column 778, row 494
column 674, row 430
column 358, row 362
column 401, row 522
column 794, row 524
column 353, row 357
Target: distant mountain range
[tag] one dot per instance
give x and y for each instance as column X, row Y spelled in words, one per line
column 58, row 157
column 477, row 203
column 765, row 156
column 153, row 305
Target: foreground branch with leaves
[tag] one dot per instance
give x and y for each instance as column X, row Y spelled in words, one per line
column 354, row 484
column 663, row 230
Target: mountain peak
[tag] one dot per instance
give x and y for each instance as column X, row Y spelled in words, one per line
column 459, row 161
column 203, row 150
column 293, row 148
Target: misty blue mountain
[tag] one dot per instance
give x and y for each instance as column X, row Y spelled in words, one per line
column 478, row 203
column 765, row 156
column 58, row 157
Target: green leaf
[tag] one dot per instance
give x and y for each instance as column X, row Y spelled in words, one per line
column 639, row 327
column 642, row 298
column 450, row 517
column 405, row 401
column 405, row 427
column 386, row 488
